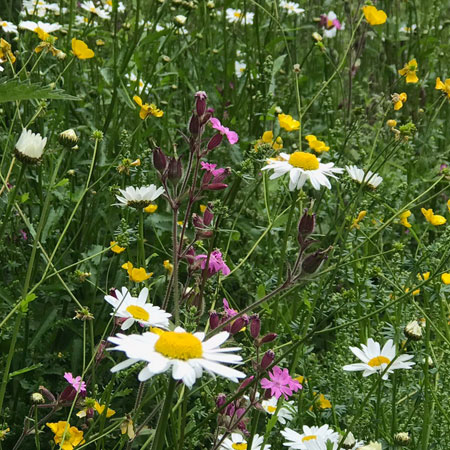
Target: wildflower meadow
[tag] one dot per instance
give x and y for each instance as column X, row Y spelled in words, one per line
column 224, row 224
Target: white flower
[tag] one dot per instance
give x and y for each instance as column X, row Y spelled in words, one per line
column 375, row 360
column 8, row 27
column 30, row 146
column 331, row 25
column 39, row 7
column 372, row 446
column 312, row 438
column 239, row 68
column 180, row 19
column 406, row 29
column 81, row 20
column 108, row 6
column 133, row 78
column 351, row 443
column 236, row 441
column 372, row 180
column 185, row 353
column 135, row 309
column 34, row 26
column 138, row 197
column 1, row 68
column 236, row 15
column 89, row 6
column 302, row 166
column 291, row 7
column 285, row 413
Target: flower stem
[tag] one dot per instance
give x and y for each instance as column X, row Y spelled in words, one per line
column 141, row 250
column 160, row 432
column 176, row 300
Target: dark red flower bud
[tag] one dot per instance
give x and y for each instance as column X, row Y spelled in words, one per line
column 200, row 102
column 255, row 326
column 306, row 226
column 194, row 125
column 197, row 221
column 216, row 187
column 206, row 117
column 175, row 170
column 213, row 320
column 221, row 400
column 159, row 160
column 190, row 256
column 214, row 141
column 208, row 216
column 313, row 262
column 267, row 359
column 269, row 337
column 112, row 292
column 246, row 382
column 237, row 325
column 219, row 178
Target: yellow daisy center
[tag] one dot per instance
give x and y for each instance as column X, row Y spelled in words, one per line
column 237, row 14
column 304, row 160
column 378, row 360
column 309, row 438
column 183, row 346
column 240, row 446
column 4, row 24
column 138, row 313
column 271, row 409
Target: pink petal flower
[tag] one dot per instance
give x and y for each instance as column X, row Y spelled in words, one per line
column 232, row 136
column 280, row 383
column 77, row 383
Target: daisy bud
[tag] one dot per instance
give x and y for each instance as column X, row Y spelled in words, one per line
column 159, row 160
column 349, row 441
column 36, row 398
column 255, row 326
column 268, row 338
column 267, row 359
column 214, row 141
column 68, row 138
column 314, row 261
column 194, row 125
column 213, row 320
column 208, row 216
column 175, row 170
column 200, row 102
column 402, row 439
column 30, row 147
column 413, row 331
column 237, row 325
column 221, row 400
column 245, row 383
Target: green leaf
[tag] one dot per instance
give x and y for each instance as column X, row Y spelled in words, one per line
column 63, row 182
column 260, row 292
column 15, row 90
column 24, row 197
column 25, row 370
column 24, row 303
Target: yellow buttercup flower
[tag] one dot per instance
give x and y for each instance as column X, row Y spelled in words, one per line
column 151, row 208
column 203, row 208
column 443, row 86
column 136, row 274
column 267, row 138
column 391, row 123
column 356, row 221
column 81, row 50
column 147, row 109
column 423, row 276
column 72, row 436
column 410, row 70
column 432, row 218
column 445, row 277
column 414, row 293
column 315, row 144
column 5, row 51
column 100, row 408
column 126, row 427
column 398, row 100
column 374, row 16
column 404, row 218
column 168, row 266
column 288, row 123
column 116, row 248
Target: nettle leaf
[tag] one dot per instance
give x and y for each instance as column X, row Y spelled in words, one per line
column 15, row 90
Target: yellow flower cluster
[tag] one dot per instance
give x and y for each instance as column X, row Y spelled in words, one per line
column 136, row 274
column 147, row 109
column 267, row 138
column 434, row 219
column 315, row 144
column 81, row 50
column 409, row 70
column 288, row 123
column 71, row 436
column 374, row 16
column 443, row 86
column 398, row 100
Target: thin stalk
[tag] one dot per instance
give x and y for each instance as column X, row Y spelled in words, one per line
column 160, row 432
column 176, row 299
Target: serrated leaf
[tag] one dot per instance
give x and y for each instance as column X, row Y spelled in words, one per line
column 15, row 90
column 24, row 197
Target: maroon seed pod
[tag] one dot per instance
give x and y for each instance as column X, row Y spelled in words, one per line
column 208, row 216
column 159, row 160
column 246, row 382
column 267, row 359
column 194, row 125
column 216, row 187
column 221, row 400
column 237, row 325
column 255, row 326
column 269, row 337
column 213, row 320
column 214, row 141
column 306, row 226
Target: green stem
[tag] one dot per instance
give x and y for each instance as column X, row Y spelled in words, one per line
column 160, row 432
column 176, row 300
column 36, row 429
column 141, row 250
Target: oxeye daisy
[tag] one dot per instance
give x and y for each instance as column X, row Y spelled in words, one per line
column 136, row 309
column 8, row 27
column 138, row 197
column 373, row 180
column 311, row 438
column 237, row 442
column 375, row 360
column 30, row 147
column 302, row 166
column 285, row 413
column 187, row 354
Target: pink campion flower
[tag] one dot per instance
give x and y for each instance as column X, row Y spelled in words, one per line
column 232, row 136
column 77, row 383
column 211, row 168
column 280, row 383
column 230, row 312
column 216, row 263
